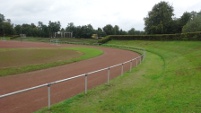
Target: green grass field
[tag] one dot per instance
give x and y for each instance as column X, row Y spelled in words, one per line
column 59, row 40
column 168, row 81
column 15, row 61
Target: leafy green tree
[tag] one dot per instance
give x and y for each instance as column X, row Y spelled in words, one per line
column 116, row 30
column 194, row 24
column 122, row 32
column 18, row 29
column 100, row 32
column 108, row 29
column 159, row 19
column 54, row 27
column 86, row 31
column 8, row 28
column 89, row 31
column 185, row 18
column 72, row 28
column 131, row 31
column 175, row 26
column 78, row 31
column 179, row 23
column 2, row 19
column 26, row 29
column 42, row 30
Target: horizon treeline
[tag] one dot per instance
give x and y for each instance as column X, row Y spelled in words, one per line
column 160, row 20
column 42, row 30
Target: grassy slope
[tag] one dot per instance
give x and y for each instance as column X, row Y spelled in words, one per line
column 167, row 81
column 87, row 53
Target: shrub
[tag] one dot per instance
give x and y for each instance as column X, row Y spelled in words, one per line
column 14, row 36
column 104, row 40
column 191, row 36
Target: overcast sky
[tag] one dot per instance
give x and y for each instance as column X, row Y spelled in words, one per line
column 126, row 14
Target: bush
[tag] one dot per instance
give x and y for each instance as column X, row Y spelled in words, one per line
column 14, row 36
column 104, row 40
column 192, row 36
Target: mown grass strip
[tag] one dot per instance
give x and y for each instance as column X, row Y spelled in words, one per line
column 105, row 98
column 167, row 81
column 58, row 40
column 87, row 53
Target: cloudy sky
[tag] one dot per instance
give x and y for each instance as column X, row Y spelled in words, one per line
column 124, row 13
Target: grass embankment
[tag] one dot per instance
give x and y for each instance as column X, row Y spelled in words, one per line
column 15, row 61
column 168, row 81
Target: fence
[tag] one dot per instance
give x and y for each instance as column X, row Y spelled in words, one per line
column 131, row 63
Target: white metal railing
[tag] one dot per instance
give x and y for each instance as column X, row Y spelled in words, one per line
column 48, row 85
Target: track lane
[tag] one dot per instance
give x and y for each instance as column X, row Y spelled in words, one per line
column 34, row 100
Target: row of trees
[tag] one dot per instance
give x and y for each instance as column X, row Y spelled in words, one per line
column 42, row 30
column 5, row 25
column 160, row 20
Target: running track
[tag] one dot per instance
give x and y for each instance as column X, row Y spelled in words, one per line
column 33, row 100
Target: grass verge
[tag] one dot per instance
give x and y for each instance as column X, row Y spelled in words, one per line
column 59, row 40
column 167, row 81
column 87, row 53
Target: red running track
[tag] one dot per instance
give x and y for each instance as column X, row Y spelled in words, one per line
column 36, row 99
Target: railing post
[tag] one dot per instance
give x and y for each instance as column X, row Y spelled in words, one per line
column 140, row 59
column 144, row 55
column 136, row 62
column 131, row 65
column 86, row 83
column 108, row 75
column 122, row 69
column 49, row 95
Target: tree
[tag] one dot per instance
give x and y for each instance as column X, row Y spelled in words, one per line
column 108, row 29
column 179, row 23
column 71, row 28
column 122, row 32
column 53, row 27
column 89, row 31
column 131, row 31
column 18, row 29
column 8, row 28
column 159, row 19
column 26, row 29
column 194, row 24
column 185, row 18
column 2, row 19
column 100, row 32
column 42, row 29
column 175, row 26
column 86, row 31
column 116, row 30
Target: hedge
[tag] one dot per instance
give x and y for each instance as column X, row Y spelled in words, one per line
column 105, row 39
column 192, row 36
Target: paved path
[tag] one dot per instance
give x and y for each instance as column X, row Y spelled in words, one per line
column 33, row 100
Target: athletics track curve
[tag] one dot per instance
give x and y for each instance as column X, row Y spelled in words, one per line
column 33, row 100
